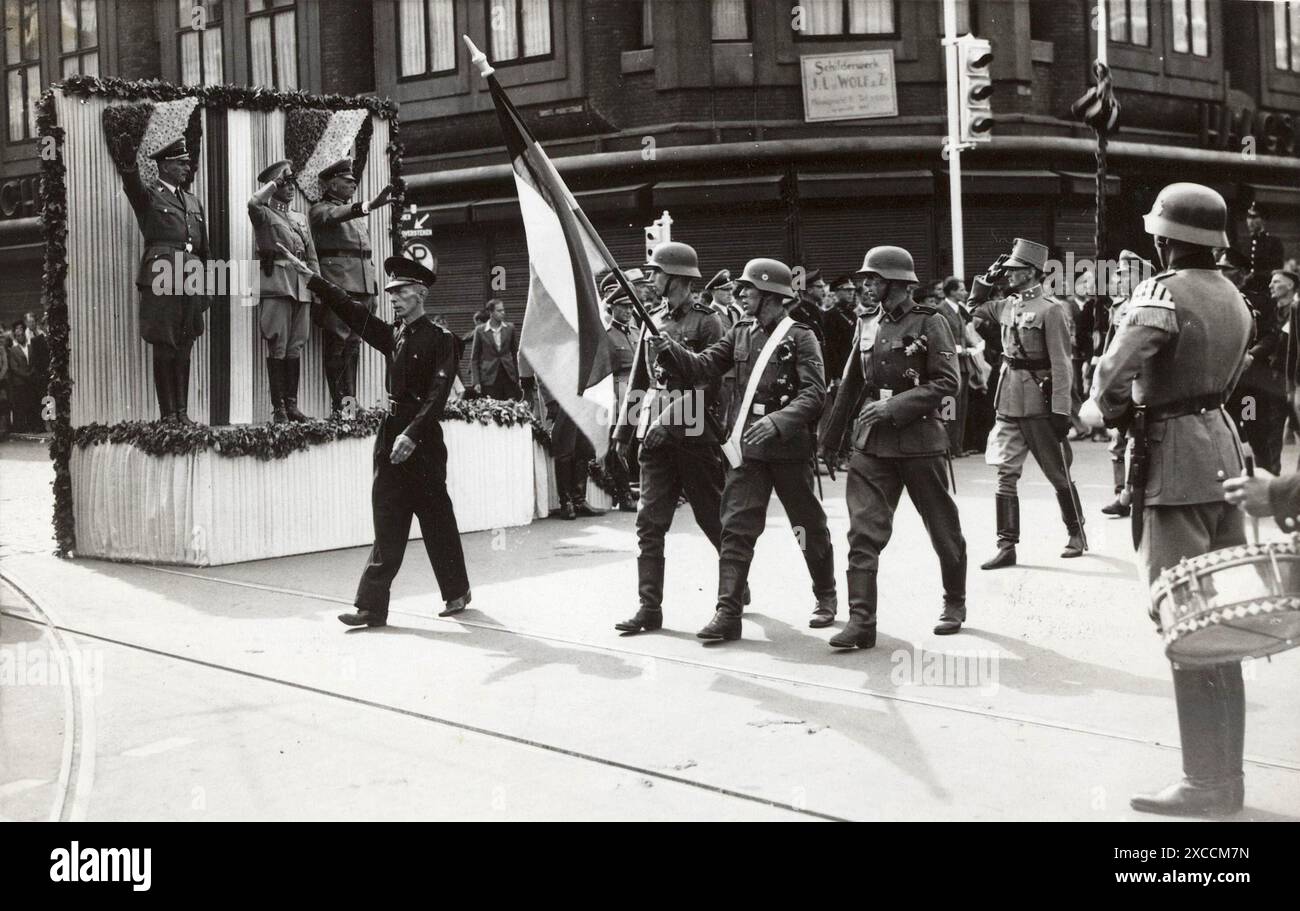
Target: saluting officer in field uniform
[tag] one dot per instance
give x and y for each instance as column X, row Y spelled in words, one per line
column 675, row 459
column 1033, row 400
column 175, row 231
column 1173, row 361
column 284, row 303
column 892, row 394
column 342, row 240
column 778, row 397
column 410, row 458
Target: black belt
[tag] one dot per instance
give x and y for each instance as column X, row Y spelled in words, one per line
column 1198, row 405
column 1025, row 363
column 349, row 254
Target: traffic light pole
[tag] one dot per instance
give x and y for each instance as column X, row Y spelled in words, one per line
column 954, row 137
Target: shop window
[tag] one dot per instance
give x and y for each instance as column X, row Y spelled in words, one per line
column 1286, row 35
column 78, row 38
column 198, row 42
column 520, row 30
column 819, row 19
column 426, row 37
column 273, row 43
column 730, row 20
column 1130, row 22
column 22, row 66
column 1191, row 29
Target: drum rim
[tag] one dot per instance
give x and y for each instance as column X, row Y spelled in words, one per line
column 1202, row 620
column 1188, row 567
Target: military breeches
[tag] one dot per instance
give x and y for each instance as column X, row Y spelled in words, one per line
column 745, row 498
column 872, row 492
column 667, row 472
column 1012, row 442
column 171, row 321
column 416, row 487
column 284, row 324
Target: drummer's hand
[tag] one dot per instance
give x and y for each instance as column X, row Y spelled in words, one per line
column 403, row 446
column 1251, row 494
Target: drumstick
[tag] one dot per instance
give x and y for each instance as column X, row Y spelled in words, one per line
column 1249, row 455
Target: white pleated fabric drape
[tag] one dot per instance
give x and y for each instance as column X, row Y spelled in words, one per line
column 546, row 496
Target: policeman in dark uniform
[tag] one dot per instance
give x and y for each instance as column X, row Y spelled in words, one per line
column 284, row 303
column 1033, row 400
column 778, row 397
column 892, row 394
column 622, row 351
column 1264, row 251
column 1259, row 403
column 675, row 459
column 1173, row 361
column 342, row 240
column 410, row 459
column 175, row 233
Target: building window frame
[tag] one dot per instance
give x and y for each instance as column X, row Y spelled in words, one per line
column 79, row 52
column 801, row 35
column 273, row 10
column 1128, row 6
column 1188, row 31
column 23, row 68
column 213, row 25
column 427, row 72
column 749, row 24
column 522, row 59
column 1286, row 37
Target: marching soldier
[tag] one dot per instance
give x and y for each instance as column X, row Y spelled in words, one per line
column 342, row 240
column 892, row 394
column 1173, row 361
column 410, row 458
column 175, row 232
column 283, row 299
column 1033, row 400
column 674, row 459
column 777, row 400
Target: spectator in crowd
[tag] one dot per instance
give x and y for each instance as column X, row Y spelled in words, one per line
column 4, row 383
column 494, row 355
column 1260, row 399
column 808, row 310
column 21, row 382
column 980, row 408
column 972, row 368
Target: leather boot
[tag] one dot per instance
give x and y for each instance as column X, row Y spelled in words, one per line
column 1211, row 726
column 162, row 387
column 181, row 388
column 823, row 575
column 1008, row 512
column 291, row 374
column 581, row 508
column 860, row 631
column 725, row 624
column 650, row 591
column 1072, row 516
column 564, row 486
column 333, row 366
column 275, row 380
column 351, row 363
column 1118, row 508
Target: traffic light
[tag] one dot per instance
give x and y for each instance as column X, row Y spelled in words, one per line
column 974, row 88
column 651, row 240
column 659, row 231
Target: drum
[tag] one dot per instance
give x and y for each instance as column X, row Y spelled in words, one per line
column 1230, row 604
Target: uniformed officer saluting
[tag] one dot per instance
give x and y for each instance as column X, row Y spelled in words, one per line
column 892, row 392
column 284, row 303
column 673, row 461
column 410, row 459
column 342, row 239
column 778, row 398
column 1032, row 402
column 1176, row 357
column 171, row 220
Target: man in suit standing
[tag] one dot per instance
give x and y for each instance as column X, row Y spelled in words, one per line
column 342, row 239
column 283, row 299
column 175, row 246
column 21, row 381
column 493, row 355
column 40, row 345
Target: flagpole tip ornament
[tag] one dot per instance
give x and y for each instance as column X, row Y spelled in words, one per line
column 478, row 58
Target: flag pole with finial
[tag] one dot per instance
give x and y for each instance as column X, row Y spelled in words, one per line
column 478, row 58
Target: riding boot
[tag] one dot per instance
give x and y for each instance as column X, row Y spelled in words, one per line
column 333, row 363
column 1211, row 725
column 860, row 631
column 954, row 598
column 564, row 486
column 1008, row 513
column 822, row 570
column 181, row 387
column 1072, row 516
column 1118, row 508
column 162, row 386
column 351, row 363
column 275, row 380
column 726, row 617
column 291, row 374
column 650, row 591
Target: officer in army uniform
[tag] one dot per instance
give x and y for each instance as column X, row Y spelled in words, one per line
column 1173, row 361
column 778, row 397
column 892, row 395
column 175, row 234
column 1033, row 400
column 675, row 459
column 342, row 239
column 622, row 353
column 284, row 303
column 410, row 458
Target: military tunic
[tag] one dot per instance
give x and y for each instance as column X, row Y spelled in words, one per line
column 421, row 360
column 342, row 239
column 283, row 297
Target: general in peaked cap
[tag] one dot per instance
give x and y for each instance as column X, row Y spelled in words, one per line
column 173, row 151
column 337, row 169
column 274, row 171
column 403, row 271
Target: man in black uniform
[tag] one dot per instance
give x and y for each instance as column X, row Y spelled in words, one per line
column 1259, row 403
column 675, row 459
column 892, row 393
column 1264, row 252
column 410, row 461
column 778, row 398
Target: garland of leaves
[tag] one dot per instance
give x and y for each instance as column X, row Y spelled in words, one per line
column 54, row 221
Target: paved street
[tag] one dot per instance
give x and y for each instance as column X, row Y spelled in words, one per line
column 233, row 693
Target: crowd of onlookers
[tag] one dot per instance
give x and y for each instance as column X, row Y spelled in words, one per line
column 24, row 375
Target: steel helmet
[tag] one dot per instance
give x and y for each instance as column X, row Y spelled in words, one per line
column 892, row 263
column 768, row 275
column 1191, row 213
column 673, row 258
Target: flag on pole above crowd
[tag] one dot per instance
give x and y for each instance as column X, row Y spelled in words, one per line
column 563, row 336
